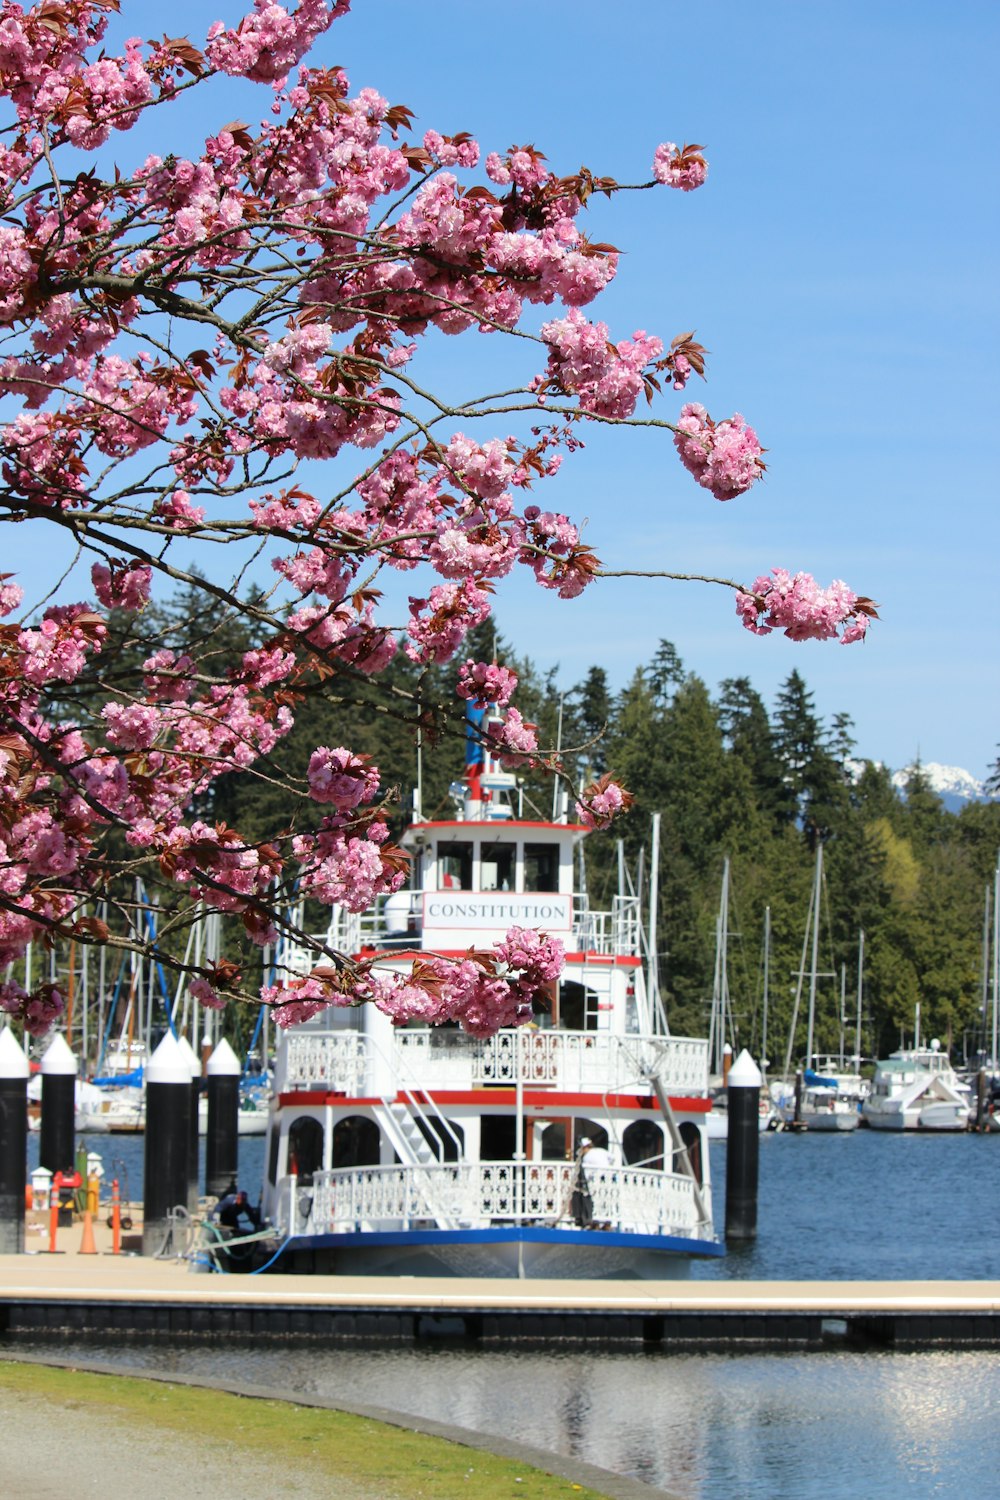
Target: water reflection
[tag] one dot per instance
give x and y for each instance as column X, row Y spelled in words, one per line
column 835, row 1426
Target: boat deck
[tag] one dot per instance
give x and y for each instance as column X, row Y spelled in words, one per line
column 106, row 1295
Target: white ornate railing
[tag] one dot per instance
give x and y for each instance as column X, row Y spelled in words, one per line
column 587, row 1060
column 476, row 1195
column 435, row 1059
column 334, row 1061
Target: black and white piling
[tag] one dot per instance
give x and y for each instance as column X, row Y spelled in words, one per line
column 742, row 1148
column 222, row 1140
column 168, row 1134
column 57, row 1142
column 13, row 1142
column 194, row 1105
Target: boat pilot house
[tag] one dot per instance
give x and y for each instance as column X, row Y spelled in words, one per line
column 571, row 1146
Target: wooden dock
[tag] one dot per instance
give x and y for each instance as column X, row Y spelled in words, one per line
column 121, row 1295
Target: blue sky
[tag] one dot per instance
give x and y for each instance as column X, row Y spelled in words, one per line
column 839, row 264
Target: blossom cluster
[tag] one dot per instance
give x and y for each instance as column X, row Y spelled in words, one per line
column 724, row 457
column 37, row 1011
column 483, row 993
column 802, row 609
column 601, row 802
column 485, row 684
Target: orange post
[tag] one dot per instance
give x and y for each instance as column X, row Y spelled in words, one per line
column 56, row 1188
column 116, row 1219
column 87, row 1245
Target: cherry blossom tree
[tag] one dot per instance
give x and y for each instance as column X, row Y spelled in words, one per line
column 226, row 351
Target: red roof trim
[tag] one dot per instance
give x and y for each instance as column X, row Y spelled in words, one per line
column 497, row 823
column 533, row 1098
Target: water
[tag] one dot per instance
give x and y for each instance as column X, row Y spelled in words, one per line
column 836, row 1425
column 833, row 1426
column 869, row 1205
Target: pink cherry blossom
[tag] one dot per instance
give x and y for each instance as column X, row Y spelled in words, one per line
column 601, row 802
column 803, row 610
column 485, row 684
column 123, row 587
column 724, row 457
column 685, row 168
column 340, row 777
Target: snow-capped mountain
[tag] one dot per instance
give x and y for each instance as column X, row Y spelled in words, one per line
column 954, row 786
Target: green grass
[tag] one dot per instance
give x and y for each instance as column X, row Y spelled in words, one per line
column 398, row 1464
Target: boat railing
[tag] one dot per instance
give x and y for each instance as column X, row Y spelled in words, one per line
column 477, row 1195
column 336, row 1062
column 615, row 933
column 435, row 1058
column 567, row 1060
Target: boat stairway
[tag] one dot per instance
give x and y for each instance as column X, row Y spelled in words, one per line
column 402, row 1129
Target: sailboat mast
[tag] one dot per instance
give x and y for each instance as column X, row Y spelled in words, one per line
column 817, row 884
column 985, row 1009
column 843, row 1012
column 861, row 970
column 996, row 959
column 767, row 970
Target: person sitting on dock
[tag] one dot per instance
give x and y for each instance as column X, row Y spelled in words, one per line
column 234, row 1207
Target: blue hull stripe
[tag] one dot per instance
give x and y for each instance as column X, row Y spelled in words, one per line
column 530, row 1235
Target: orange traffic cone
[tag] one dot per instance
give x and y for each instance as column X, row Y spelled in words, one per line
column 87, row 1246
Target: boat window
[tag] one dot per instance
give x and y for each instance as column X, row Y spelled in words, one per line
column 578, row 1006
column 357, row 1142
column 497, row 867
column 642, row 1145
column 305, row 1148
column 691, row 1136
column 443, row 1139
column 554, row 1138
column 272, row 1156
column 541, row 867
column 498, row 1138
column 454, row 866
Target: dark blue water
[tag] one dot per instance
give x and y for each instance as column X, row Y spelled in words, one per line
column 864, row 1206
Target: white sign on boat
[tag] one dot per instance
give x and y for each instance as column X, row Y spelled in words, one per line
column 499, row 910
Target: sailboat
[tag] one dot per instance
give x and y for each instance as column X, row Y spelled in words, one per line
column 721, row 1033
column 824, row 1099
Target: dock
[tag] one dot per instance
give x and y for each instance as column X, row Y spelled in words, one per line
column 129, row 1295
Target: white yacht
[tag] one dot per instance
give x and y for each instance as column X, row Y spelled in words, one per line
column 825, row 1109
column 917, row 1089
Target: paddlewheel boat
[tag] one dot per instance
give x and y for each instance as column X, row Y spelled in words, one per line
column 416, row 1150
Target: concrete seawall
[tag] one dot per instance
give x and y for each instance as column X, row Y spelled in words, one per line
column 129, row 1295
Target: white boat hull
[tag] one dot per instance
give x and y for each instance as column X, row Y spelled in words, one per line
column 831, row 1122
column 556, row 1254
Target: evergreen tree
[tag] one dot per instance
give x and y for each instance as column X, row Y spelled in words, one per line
column 591, row 708
column 747, row 730
column 811, row 771
column 665, row 673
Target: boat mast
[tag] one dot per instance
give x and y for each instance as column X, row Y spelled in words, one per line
column 798, row 991
column 861, row 970
column 996, row 959
column 720, row 979
column 654, row 898
column 984, row 1009
column 764, row 1060
column 817, row 883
